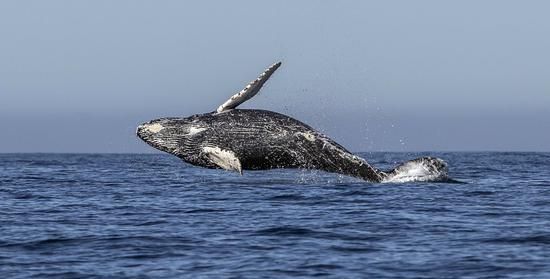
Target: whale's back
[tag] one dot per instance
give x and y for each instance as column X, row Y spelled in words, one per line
column 265, row 139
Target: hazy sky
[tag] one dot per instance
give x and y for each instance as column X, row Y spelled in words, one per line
column 79, row 76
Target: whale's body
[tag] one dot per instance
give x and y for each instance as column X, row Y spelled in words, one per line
column 258, row 139
column 239, row 139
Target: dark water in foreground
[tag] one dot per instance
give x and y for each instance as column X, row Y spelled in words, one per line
column 141, row 216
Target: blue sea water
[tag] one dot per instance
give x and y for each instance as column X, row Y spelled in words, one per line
column 152, row 216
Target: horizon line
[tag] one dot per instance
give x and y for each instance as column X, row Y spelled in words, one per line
column 377, row 151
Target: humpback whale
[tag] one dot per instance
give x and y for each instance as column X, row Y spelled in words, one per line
column 252, row 139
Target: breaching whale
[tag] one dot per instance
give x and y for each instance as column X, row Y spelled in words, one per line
column 251, row 139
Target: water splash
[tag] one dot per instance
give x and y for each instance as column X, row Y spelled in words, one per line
column 424, row 169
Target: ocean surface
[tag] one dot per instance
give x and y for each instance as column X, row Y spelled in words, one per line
column 153, row 216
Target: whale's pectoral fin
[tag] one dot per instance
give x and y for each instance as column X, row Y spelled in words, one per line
column 250, row 90
column 225, row 159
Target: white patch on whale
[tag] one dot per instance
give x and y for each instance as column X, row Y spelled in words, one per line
column 307, row 136
column 195, row 130
column 154, row 128
column 225, row 159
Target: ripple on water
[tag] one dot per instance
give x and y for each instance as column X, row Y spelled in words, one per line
column 286, row 231
column 522, row 240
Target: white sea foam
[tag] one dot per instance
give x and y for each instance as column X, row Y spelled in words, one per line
column 422, row 169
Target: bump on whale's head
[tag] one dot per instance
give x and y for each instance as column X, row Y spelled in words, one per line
column 168, row 134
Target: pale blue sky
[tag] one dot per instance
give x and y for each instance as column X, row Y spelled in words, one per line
column 79, row 76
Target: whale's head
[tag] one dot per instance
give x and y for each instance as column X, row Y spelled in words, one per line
column 172, row 134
